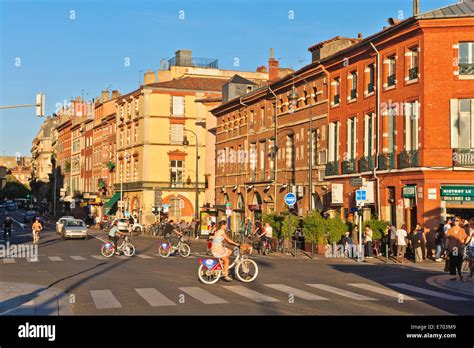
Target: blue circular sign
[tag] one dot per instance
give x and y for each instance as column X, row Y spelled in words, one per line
column 290, row 199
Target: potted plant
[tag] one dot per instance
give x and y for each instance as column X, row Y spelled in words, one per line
column 276, row 221
column 314, row 227
column 288, row 228
column 110, row 166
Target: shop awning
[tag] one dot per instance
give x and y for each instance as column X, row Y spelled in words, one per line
column 111, row 203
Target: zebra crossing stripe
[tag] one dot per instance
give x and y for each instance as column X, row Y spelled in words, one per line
column 55, row 258
column 99, row 257
column 29, row 259
column 342, row 292
column 296, row 292
column 202, row 295
column 382, row 291
column 104, row 299
column 78, row 258
column 143, row 256
column 428, row 292
column 250, row 294
column 9, row 260
column 154, row 297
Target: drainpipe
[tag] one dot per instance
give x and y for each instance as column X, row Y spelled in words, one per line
column 378, row 131
column 275, row 149
column 245, row 188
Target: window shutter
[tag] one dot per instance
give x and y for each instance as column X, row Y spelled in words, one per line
column 366, row 135
column 416, row 121
column 408, row 115
column 454, row 123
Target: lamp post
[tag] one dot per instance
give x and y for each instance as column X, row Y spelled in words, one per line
column 186, row 144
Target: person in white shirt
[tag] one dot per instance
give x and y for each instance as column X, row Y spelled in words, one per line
column 401, row 243
column 447, row 226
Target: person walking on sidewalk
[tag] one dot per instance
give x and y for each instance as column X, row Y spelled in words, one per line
column 368, row 242
column 456, row 238
column 36, row 229
column 392, row 239
column 439, row 241
column 418, row 243
column 401, row 235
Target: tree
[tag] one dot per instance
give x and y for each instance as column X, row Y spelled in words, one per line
column 336, row 228
column 14, row 189
column 275, row 220
column 294, row 222
column 314, row 227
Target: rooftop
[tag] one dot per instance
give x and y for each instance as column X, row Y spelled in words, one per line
column 463, row 8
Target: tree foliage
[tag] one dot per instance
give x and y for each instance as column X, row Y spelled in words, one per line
column 378, row 227
column 336, row 228
column 314, row 227
column 14, row 189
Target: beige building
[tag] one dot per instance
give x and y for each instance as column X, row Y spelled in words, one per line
column 41, row 151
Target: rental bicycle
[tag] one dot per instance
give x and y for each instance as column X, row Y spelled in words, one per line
column 183, row 248
column 245, row 269
column 108, row 249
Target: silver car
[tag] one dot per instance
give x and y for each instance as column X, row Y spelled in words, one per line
column 74, row 229
column 60, row 223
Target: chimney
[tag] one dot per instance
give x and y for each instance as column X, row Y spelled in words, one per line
column 272, row 67
column 416, row 8
column 360, row 36
column 115, row 94
column 105, row 95
column 149, row 77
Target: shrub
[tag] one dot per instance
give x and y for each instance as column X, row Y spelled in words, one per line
column 294, row 224
column 276, row 221
column 314, row 227
column 336, row 228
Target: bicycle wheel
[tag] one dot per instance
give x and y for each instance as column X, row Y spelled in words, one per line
column 164, row 252
column 246, row 270
column 207, row 276
column 129, row 249
column 107, row 252
column 184, row 250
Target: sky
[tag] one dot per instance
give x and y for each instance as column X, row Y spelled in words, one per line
column 79, row 48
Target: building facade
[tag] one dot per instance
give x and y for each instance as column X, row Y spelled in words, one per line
column 42, row 150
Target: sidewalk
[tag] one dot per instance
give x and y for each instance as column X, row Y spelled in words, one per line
column 32, row 299
column 443, row 282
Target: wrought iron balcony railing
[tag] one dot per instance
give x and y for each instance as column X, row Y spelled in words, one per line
column 386, row 161
column 370, row 87
column 336, row 99
column 408, row 159
column 332, row 168
column 194, row 62
column 353, row 93
column 463, row 157
column 413, row 73
column 466, row 69
column 349, row 166
column 391, row 80
column 366, row 164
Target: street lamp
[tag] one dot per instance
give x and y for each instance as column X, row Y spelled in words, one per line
column 186, row 144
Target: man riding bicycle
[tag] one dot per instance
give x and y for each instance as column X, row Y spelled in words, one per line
column 114, row 236
column 7, row 228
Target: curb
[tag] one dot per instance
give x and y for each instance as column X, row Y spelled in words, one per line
column 440, row 281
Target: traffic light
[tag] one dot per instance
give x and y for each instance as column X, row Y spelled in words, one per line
column 39, row 104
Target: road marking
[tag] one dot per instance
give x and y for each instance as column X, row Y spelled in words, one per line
column 143, row 256
column 104, row 299
column 9, row 260
column 383, row 291
column 99, row 257
column 78, row 258
column 253, row 295
column 55, row 258
column 154, row 297
column 428, row 292
column 342, row 292
column 296, row 292
column 29, row 259
column 202, row 295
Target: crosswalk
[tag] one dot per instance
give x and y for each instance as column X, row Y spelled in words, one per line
column 73, row 258
column 266, row 293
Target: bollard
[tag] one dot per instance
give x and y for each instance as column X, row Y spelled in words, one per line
column 295, row 247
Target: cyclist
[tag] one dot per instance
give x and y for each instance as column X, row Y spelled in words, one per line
column 7, row 229
column 268, row 234
column 219, row 250
column 36, row 229
column 210, row 236
column 114, row 236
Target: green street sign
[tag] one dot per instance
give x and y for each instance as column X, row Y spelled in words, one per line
column 457, row 198
column 409, row 192
column 457, row 191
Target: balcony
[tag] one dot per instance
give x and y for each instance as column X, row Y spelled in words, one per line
column 353, row 94
column 391, row 80
column 463, row 157
column 386, row 161
column 413, row 73
column 332, row 168
column 408, row 159
column 349, row 166
column 194, row 62
column 466, row 69
column 336, row 99
column 370, row 87
column 366, row 164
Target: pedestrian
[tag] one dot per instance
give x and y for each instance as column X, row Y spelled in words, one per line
column 346, row 242
column 456, row 238
column 401, row 235
column 439, row 241
column 447, row 225
column 418, row 243
column 248, row 228
column 269, row 234
column 355, row 234
column 368, row 241
column 131, row 222
column 36, row 230
column 392, row 239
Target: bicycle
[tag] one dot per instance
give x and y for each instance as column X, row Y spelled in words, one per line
column 108, row 249
column 211, row 270
column 183, row 247
column 281, row 245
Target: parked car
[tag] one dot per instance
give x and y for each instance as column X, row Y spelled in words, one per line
column 10, row 205
column 29, row 216
column 60, row 223
column 123, row 225
column 74, row 228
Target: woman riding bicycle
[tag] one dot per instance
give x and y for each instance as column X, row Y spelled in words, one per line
column 114, row 236
column 219, row 250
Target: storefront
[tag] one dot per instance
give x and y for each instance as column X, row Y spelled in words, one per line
column 410, row 204
column 457, row 200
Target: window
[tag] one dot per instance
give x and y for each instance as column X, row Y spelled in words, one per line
column 369, row 130
column 353, row 90
column 466, row 58
column 176, row 173
column 262, row 116
column 135, row 133
column 391, row 71
column 411, row 125
column 253, row 159
column 177, row 204
column 314, row 148
column 176, row 133
column 290, row 152
column 271, row 158
column 121, row 137
column 413, row 67
column 462, row 123
column 262, row 158
column 135, row 170
column 315, row 94
column 391, row 128
column 252, row 119
column 351, row 138
column 333, row 141
column 136, row 106
column 178, row 106
column 337, row 90
column 129, row 130
column 371, row 79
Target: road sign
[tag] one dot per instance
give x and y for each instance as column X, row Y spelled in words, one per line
column 165, row 207
column 290, row 199
column 120, row 204
column 356, row 182
column 361, row 197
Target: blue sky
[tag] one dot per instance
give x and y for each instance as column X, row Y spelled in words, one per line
column 64, row 57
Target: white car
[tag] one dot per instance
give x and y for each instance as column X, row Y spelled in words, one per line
column 60, row 223
column 74, row 228
column 123, row 225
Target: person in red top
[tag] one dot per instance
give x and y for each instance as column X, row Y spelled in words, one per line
column 456, row 238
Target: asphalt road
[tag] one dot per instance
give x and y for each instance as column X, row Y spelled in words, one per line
column 149, row 285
